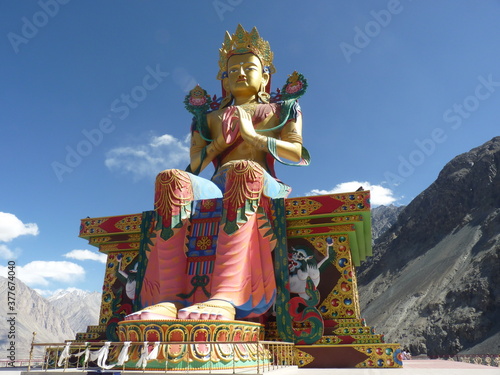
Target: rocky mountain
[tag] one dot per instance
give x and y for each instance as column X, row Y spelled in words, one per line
column 50, row 320
column 433, row 283
column 80, row 308
column 383, row 217
column 34, row 314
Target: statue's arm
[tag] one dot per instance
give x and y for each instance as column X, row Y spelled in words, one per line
column 289, row 146
column 197, row 152
column 202, row 153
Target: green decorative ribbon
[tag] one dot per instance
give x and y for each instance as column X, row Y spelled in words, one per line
column 283, row 318
column 304, row 161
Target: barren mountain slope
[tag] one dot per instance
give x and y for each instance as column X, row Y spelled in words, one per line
column 434, row 281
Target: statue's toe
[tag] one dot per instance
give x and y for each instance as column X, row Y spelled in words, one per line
column 160, row 311
column 210, row 310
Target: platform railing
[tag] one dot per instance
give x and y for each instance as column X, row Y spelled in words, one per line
column 79, row 356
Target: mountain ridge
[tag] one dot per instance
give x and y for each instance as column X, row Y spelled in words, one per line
column 384, row 217
column 80, row 308
column 433, row 282
column 35, row 313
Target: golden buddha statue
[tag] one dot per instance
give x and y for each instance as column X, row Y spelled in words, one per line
column 242, row 138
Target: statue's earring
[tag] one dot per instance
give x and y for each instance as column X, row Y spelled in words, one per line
column 229, row 97
column 263, row 95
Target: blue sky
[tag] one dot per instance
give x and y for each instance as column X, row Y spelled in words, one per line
column 92, row 93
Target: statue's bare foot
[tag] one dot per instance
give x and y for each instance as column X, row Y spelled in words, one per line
column 210, row 310
column 161, row 311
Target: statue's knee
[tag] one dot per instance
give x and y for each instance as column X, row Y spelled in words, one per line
column 244, row 180
column 173, row 187
column 171, row 175
column 250, row 170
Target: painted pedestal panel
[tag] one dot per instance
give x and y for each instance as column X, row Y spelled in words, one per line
column 321, row 241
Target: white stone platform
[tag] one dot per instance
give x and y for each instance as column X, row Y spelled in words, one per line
column 413, row 367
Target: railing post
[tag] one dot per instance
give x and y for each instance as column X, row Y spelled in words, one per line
column 166, row 358
column 234, row 363
column 212, row 351
column 258, row 358
column 31, row 351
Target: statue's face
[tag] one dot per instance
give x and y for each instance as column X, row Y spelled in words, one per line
column 245, row 76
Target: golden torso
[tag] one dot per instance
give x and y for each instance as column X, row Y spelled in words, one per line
column 244, row 151
column 245, row 78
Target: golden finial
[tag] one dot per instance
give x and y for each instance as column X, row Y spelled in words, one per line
column 245, row 42
column 294, row 77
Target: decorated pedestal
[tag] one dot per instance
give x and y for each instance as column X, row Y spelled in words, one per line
column 332, row 233
column 323, row 237
column 212, row 344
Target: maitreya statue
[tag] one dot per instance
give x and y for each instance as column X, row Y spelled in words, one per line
column 242, row 134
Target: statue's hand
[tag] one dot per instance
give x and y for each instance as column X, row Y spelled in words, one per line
column 247, row 130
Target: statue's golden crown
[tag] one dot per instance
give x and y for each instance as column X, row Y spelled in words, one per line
column 245, row 42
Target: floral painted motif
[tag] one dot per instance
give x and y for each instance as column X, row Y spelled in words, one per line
column 198, row 101
column 295, row 86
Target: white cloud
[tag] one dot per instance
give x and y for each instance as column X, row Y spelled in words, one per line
column 11, row 227
column 149, row 159
column 163, row 140
column 86, row 255
column 379, row 195
column 6, row 253
column 42, row 273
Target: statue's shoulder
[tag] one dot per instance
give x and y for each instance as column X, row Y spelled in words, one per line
column 215, row 115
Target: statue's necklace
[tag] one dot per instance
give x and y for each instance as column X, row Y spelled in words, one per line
column 249, row 108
